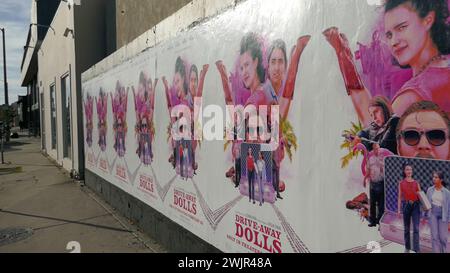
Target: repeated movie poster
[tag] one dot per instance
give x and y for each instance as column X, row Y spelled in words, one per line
column 322, row 127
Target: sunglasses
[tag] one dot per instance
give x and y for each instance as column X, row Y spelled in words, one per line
column 436, row 137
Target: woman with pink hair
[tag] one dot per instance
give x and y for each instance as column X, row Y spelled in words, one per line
column 184, row 91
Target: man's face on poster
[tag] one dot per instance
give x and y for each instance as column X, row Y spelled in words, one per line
column 277, row 67
column 424, row 135
column 406, row 33
column 377, row 115
column 376, row 148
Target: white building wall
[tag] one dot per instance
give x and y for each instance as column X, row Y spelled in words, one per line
column 33, row 39
column 56, row 59
column 197, row 10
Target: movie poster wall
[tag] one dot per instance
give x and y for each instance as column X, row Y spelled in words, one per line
column 361, row 148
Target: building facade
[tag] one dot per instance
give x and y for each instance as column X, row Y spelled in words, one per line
column 102, row 34
column 64, row 40
column 76, row 37
column 42, row 13
column 136, row 17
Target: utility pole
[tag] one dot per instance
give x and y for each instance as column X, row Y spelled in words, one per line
column 1, row 140
column 5, row 81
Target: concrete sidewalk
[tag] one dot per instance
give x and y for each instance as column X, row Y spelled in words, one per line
column 42, row 209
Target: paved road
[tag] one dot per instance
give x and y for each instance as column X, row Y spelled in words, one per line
column 42, row 209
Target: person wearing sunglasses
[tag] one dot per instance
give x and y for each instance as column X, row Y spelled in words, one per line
column 409, row 207
column 423, row 132
column 439, row 215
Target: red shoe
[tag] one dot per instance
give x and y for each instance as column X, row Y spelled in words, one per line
column 362, row 198
column 282, row 186
column 353, row 205
column 358, row 202
column 230, row 173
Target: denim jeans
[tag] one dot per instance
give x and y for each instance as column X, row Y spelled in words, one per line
column 411, row 211
column 181, row 166
column 237, row 167
column 376, row 201
column 261, row 188
column 251, row 185
column 439, row 230
column 276, row 179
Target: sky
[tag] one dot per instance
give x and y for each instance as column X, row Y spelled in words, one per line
column 15, row 17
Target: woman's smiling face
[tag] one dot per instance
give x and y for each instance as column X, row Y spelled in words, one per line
column 179, row 85
column 248, row 68
column 406, row 33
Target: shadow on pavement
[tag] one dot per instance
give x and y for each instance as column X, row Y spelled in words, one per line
column 32, row 165
column 15, row 143
column 10, row 149
column 80, row 220
column 5, row 171
column 67, row 221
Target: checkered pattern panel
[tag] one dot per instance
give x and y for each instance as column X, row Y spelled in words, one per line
column 255, row 148
column 422, row 172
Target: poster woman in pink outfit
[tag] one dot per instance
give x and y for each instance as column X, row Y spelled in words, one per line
column 417, row 34
column 246, row 86
column 258, row 89
column 251, row 72
column 119, row 106
column 176, row 95
column 89, row 111
column 195, row 91
column 102, row 111
column 183, row 92
column 144, row 101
